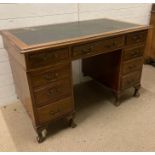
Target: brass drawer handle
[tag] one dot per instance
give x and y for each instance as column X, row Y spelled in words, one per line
column 132, row 67
column 135, row 53
column 53, row 112
column 87, row 50
column 55, row 55
column 130, row 81
column 108, row 46
column 137, row 38
column 45, row 57
column 49, row 77
column 52, row 91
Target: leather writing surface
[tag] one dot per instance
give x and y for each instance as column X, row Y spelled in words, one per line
column 57, row 32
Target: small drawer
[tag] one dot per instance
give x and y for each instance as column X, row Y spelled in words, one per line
column 133, row 53
column 132, row 65
column 102, row 45
column 82, row 50
column 137, row 37
column 46, row 76
column 47, row 57
column 130, row 80
column 110, row 44
column 55, row 110
column 53, row 92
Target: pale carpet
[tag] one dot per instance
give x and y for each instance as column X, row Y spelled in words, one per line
column 101, row 125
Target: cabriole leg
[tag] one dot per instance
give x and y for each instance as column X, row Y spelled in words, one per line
column 42, row 134
column 117, row 99
column 70, row 121
column 136, row 92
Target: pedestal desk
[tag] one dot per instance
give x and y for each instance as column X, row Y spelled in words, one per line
column 40, row 59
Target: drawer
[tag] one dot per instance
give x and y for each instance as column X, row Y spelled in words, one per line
column 132, row 65
column 55, row 110
column 130, row 80
column 97, row 46
column 136, row 37
column 83, row 50
column 133, row 53
column 53, row 92
column 46, row 76
column 47, row 57
column 110, row 44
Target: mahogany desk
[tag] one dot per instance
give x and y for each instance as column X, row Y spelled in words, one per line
column 40, row 58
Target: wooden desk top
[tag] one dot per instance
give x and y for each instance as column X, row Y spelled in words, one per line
column 66, row 33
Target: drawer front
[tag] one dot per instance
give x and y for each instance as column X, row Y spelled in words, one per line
column 47, row 57
column 55, row 110
column 97, row 47
column 137, row 37
column 130, row 80
column 110, row 44
column 46, row 76
column 53, row 92
column 132, row 65
column 133, row 53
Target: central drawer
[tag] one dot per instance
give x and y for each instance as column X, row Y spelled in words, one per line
column 104, row 45
column 55, row 91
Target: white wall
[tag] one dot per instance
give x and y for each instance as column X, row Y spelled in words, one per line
column 21, row 15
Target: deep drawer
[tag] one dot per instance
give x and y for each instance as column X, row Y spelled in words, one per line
column 130, row 80
column 53, row 92
column 55, row 110
column 132, row 65
column 47, row 57
column 136, row 37
column 97, row 46
column 133, row 53
column 46, row 76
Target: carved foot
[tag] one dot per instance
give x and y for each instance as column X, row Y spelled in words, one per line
column 72, row 124
column 42, row 133
column 117, row 100
column 136, row 93
column 70, row 121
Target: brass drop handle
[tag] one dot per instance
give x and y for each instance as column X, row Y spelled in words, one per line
column 50, row 92
column 134, row 54
column 137, row 38
column 54, row 112
column 110, row 45
column 55, row 55
column 87, row 50
column 45, row 57
column 114, row 43
column 49, row 77
column 132, row 67
column 130, row 82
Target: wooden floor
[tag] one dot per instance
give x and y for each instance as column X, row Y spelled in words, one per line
column 101, row 126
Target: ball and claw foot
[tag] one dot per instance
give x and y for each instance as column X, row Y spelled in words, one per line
column 41, row 136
